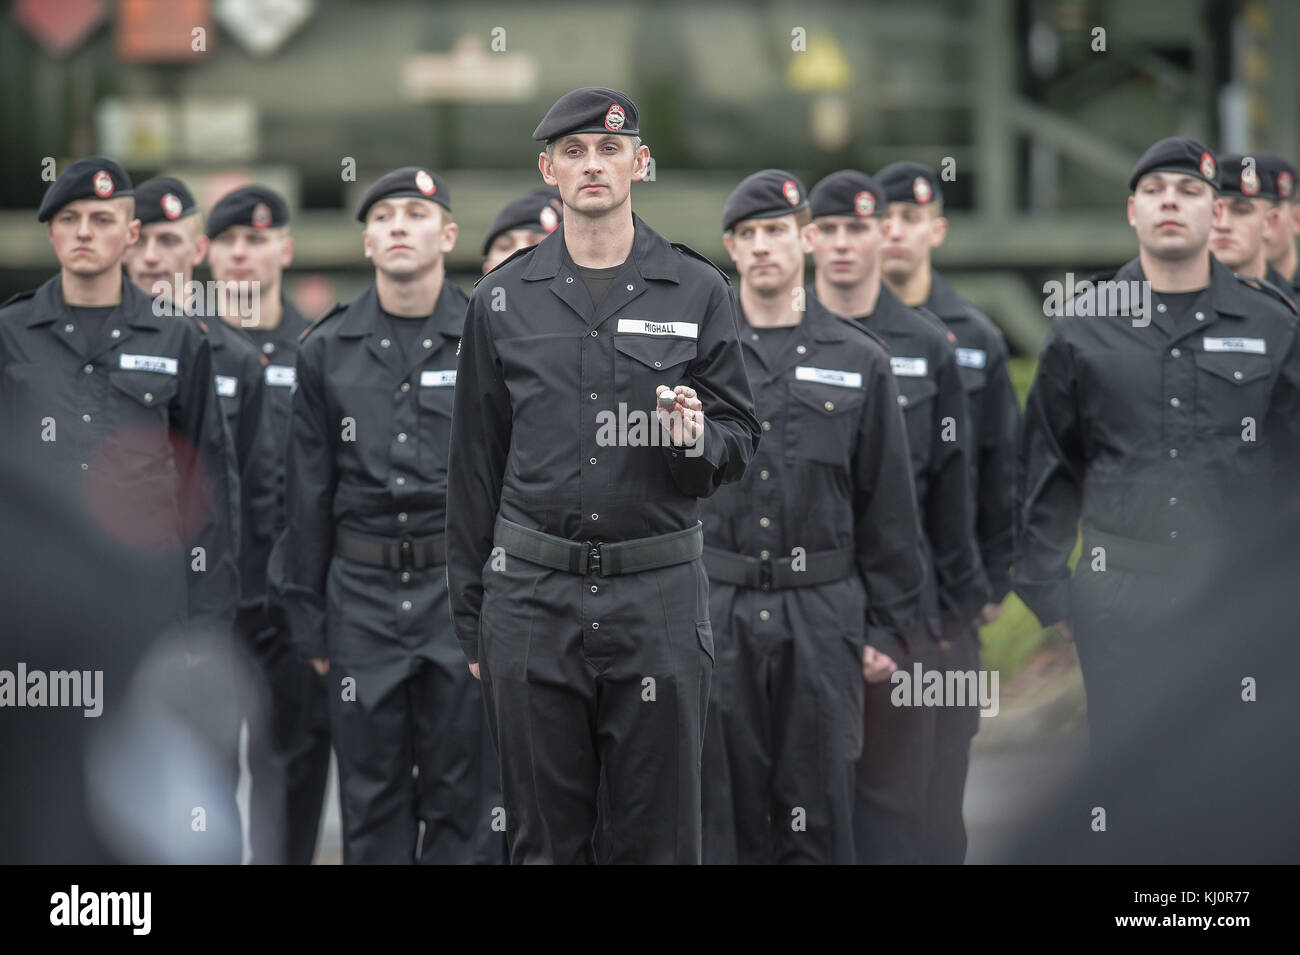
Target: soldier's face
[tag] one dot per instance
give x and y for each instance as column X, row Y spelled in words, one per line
column 90, row 235
column 1237, row 236
column 406, row 237
column 507, row 244
column 1172, row 213
column 908, row 233
column 164, row 250
column 768, row 253
column 594, row 171
column 846, row 249
column 1278, row 241
column 244, row 254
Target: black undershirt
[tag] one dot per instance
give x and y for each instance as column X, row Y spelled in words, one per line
column 1177, row 305
column 90, row 321
column 599, row 281
column 405, row 332
column 771, row 341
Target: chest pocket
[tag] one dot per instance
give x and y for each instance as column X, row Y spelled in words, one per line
column 916, row 397
column 644, row 361
column 1231, row 386
column 139, row 409
column 435, row 422
column 827, row 419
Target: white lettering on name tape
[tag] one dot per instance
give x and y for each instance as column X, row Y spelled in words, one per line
column 438, row 379
column 1255, row 346
column 909, row 367
column 281, row 376
column 159, row 363
column 227, row 386
column 972, row 357
column 828, row 376
column 639, row 326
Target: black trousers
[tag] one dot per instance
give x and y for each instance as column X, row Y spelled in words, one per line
column 785, row 724
column 954, row 728
column 589, row 677
column 417, row 774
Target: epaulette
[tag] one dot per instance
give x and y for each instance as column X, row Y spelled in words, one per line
column 936, row 321
column 1267, row 287
column 338, row 307
column 862, row 327
column 18, row 298
column 509, row 258
column 687, row 250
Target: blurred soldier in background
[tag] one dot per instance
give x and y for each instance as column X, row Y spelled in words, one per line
column 810, row 556
column 915, row 226
column 250, row 243
column 898, row 747
column 360, row 567
column 1281, row 244
column 1249, row 218
column 522, row 223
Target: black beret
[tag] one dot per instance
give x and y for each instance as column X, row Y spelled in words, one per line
column 93, row 178
column 1279, row 169
column 764, row 195
column 163, row 199
column 909, row 182
column 1241, row 175
column 255, row 206
column 539, row 211
column 414, row 181
column 1178, row 154
column 847, row 193
column 592, row 109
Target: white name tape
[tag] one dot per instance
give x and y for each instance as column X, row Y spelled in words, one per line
column 828, row 376
column 675, row 329
column 226, row 386
column 159, row 363
column 909, row 367
column 972, row 357
column 1256, row 346
column 438, row 379
column 281, row 376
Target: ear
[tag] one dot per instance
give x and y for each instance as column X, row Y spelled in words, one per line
column 286, row 252
column 547, row 169
column 366, row 245
column 729, row 243
column 449, row 233
column 1132, row 221
column 641, row 163
column 938, row 231
column 133, row 232
column 200, row 251
column 806, row 236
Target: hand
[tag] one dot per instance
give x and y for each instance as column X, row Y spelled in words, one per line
column 989, row 613
column 1066, row 629
column 876, row 666
column 320, row 664
column 685, row 423
column 473, row 668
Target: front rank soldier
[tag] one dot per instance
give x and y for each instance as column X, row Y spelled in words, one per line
column 522, row 223
column 364, row 579
column 1250, row 218
column 811, row 556
column 898, row 747
column 250, row 243
column 116, row 404
column 573, row 504
column 1163, row 431
column 914, row 227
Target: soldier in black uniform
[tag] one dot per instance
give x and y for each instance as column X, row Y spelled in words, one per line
column 1250, row 214
column 811, row 556
column 360, row 567
column 250, row 242
column 1166, row 432
column 898, row 748
column 573, row 535
column 914, row 227
column 1283, row 259
column 522, row 223
column 116, row 405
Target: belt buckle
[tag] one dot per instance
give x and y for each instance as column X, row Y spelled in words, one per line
column 593, row 558
column 765, row 575
column 405, row 554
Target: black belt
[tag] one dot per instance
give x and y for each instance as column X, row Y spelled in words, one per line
column 395, row 553
column 599, row 558
column 823, row 567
